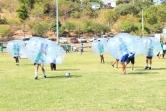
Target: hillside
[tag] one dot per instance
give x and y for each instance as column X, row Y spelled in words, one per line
column 38, row 18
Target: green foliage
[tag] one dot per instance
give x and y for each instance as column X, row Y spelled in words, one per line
column 29, row 3
column 127, row 26
column 150, row 15
column 118, row 2
column 110, row 17
column 161, row 13
column 88, row 26
column 38, row 10
column 96, row 28
column 75, row 14
column 69, row 26
column 53, row 26
column 124, row 9
column 22, row 12
column 40, row 29
column 4, row 30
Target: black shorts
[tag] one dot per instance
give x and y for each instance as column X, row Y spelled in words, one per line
column 164, row 52
column 149, row 57
column 36, row 64
column 53, row 65
column 130, row 59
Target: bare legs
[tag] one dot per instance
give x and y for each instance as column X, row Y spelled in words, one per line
column 150, row 63
column 102, row 58
column 116, row 62
column 123, row 67
column 17, row 60
column 36, row 70
column 53, row 66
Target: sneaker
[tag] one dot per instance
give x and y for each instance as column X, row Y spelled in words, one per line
column 36, row 77
column 112, row 65
column 150, row 68
column 146, row 67
column 45, row 76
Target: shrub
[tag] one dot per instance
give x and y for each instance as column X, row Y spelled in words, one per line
column 4, row 30
column 39, row 29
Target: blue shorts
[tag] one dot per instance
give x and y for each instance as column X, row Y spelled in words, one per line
column 124, row 58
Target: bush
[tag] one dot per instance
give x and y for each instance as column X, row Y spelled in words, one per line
column 4, row 30
column 39, row 29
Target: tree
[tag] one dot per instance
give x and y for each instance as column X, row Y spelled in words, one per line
column 110, row 17
column 53, row 26
column 68, row 26
column 87, row 26
column 65, row 7
column 4, row 30
column 39, row 29
column 29, row 3
column 23, row 14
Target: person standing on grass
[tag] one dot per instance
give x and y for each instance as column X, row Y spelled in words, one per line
column 1, row 49
column 16, row 49
column 164, row 49
column 81, row 49
column 161, row 52
column 101, row 51
column 131, row 59
column 67, row 48
column 39, row 59
column 149, row 56
column 122, row 48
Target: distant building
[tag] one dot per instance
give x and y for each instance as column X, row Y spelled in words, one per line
column 95, row 5
column 157, row 2
column 109, row 3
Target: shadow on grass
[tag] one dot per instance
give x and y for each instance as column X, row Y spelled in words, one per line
column 72, row 76
column 66, row 70
column 158, row 68
column 143, row 72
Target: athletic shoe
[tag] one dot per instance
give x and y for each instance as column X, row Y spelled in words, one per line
column 150, row 68
column 45, row 76
column 146, row 67
column 112, row 65
column 36, row 77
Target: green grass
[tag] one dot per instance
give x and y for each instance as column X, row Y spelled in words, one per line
column 91, row 87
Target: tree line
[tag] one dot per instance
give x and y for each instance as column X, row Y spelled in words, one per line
column 38, row 16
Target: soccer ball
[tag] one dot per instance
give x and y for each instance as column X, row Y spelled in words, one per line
column 67, row 74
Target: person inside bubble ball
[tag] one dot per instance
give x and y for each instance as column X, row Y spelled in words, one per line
column 81, row 48
column 131, row 58
column 101, row 51
column 1, row 49
column 16, row 50
column 40, row 59
column 67, row 48
column 149, row 47
column 122, row 48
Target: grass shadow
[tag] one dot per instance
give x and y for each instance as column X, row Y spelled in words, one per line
column 66, row 70
column 158, row 68
column 72, row 76
column 143, row 73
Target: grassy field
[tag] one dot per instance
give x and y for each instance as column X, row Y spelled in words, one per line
column 91, row 87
